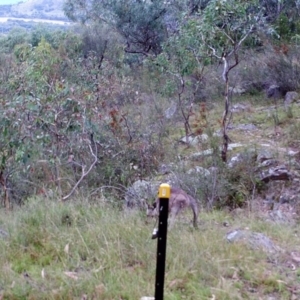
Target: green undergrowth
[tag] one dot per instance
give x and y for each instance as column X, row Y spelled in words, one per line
column 74, row 250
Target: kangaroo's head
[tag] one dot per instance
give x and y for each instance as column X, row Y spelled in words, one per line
column 151, row 210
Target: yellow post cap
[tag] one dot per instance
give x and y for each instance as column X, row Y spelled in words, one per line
column 164, row 191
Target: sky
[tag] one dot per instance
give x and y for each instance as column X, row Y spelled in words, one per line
column 5, row 2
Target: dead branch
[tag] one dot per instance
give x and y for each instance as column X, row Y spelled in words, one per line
column 84, row 173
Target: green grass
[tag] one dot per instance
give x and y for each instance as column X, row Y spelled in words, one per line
column 68, row 250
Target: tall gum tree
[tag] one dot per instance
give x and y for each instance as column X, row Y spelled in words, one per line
column 214, row 32
column 223, row 27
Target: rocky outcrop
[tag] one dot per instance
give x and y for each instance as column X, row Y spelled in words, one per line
column 254, row 240
column 274, row 91
column 140, row 191
column 290, row 97
column 276, row 173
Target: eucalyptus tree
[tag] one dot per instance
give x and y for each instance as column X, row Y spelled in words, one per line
column 181, row 64
column 15, row 36
column 223, row 28
column 214, row 34
column 274, row 8
column 140, row 23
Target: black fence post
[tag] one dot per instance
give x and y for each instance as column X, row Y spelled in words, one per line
column 164, row 196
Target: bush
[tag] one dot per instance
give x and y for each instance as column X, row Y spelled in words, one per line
column 278, row 65
column 283, row 68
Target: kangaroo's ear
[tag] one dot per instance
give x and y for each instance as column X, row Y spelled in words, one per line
column 151, row 206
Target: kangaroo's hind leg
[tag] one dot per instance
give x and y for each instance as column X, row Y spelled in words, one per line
column 172, row 215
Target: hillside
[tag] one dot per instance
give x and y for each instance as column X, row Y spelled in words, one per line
column 10, row 2
column 95, row 118
column 41, row 9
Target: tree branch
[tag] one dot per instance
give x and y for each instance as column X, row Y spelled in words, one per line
column 84, row 174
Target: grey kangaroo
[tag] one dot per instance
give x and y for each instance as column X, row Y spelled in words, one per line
column 178, row 201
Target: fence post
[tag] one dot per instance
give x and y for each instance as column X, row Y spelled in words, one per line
column 164, row 196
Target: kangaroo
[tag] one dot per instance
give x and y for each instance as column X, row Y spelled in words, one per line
column 178, row 201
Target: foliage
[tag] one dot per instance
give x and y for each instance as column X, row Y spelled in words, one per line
column 81, row 117
column 80, row 249
column 80, row 100
column 283, row 67
column 52, row 117
column 50, row 35
column 15, row 36
column 140, row 23
column 225, row 24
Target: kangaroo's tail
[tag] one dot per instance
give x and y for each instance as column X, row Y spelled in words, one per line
column 194, row 206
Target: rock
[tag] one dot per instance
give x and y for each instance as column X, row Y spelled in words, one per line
column 290, row 97
column 264, row 155
column 3, row 233
column 248, row 127
column 235, row 160
column 199, row 170
column 237, row 90
column 199, row 155
column 164, row 169
column 242, row 158
column 254, row 240
column 234, row 145
column 278, row 216
column 268, row 163
column 274, row 91
column 238, row 107
column 276, row 173
column 169, row 112
column 292, row 153
column 194, row 140
column 141, row 190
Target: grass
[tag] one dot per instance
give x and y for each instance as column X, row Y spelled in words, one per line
column 84, row 250
column 76, row 250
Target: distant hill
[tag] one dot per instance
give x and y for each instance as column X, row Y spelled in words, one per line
column 10, row 2
column 41, row 9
